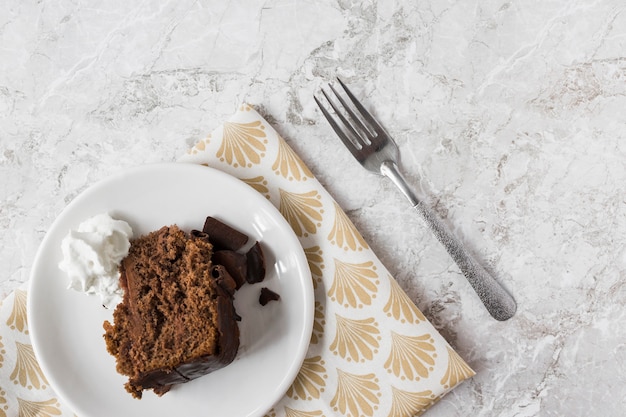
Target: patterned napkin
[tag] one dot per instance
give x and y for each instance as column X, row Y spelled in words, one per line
column 372, row 352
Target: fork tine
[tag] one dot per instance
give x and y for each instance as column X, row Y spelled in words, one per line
column 338, row 130
column 361, row 126
column 358, row 140
column 366, row 115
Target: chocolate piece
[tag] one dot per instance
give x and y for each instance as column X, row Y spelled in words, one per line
column 223, row 279
column 200, row 235
column 267, row 295
column 223, row 236
column 235, row 263
column 256, row 264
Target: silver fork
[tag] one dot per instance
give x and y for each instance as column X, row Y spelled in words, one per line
column 376, row 151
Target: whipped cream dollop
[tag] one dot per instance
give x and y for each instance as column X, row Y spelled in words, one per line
column 92, row 255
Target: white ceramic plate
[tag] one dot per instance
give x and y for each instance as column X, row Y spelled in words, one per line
column 66, row 326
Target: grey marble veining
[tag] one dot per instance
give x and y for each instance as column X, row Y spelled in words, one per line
column 508, row 114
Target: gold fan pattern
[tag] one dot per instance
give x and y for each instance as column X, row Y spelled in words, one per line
column 24, row 389
column 357, row 395
column 316, row 263
column 17, row 319
column 411, row 357
column 288, row 164
column 354, row 285
column 319, row 322
column 404, row 403
column 356, row 340
column 400, row 307
column 303, row 211
column 47, row 408
column 243, row 144
column 311, row 380
column 259, row 183
column 289, row 412
column 27, row 372
column 344, row 234
column 457, row 370
column 372, row 352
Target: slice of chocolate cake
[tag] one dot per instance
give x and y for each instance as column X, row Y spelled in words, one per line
column 177, row 321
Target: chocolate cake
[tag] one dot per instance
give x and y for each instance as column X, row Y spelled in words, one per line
column 177, row 321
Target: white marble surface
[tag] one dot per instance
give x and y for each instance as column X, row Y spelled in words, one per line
column 510, row 112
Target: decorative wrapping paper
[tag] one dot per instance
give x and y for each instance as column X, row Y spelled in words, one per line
column 372, row 351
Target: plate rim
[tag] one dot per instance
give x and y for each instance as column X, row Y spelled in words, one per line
column 309, row 299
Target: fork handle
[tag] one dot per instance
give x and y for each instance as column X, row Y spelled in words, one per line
column 496, row 299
